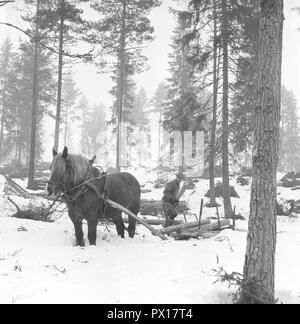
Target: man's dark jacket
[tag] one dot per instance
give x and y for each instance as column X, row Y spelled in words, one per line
column 171, row 191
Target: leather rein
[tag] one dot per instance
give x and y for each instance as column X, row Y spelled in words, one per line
column 84, row 186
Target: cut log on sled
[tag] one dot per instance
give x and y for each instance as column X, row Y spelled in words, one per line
column 196, row 235
column 206, row 231
column 181, row 227
column 158, row 221
column 185, row 236
column 154, row 207
column 129, row 213
column 209, row 227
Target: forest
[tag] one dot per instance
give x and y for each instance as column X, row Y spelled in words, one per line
column 222, row 110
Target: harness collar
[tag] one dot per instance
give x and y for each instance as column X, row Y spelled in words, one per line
column 84, row 186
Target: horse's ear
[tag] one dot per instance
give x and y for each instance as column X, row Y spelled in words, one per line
column 92, row 160
column 54, row 152
column 65, row 153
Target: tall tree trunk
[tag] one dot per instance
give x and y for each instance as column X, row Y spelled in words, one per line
column 66, row 126
column 212, row 197
column 3, row 110
column 3, row 116
column 261, row 240
column 121, row 84
column 31, row 184
column 159, row 138
column 225, row 132
column 60, row 72
column 182, row 151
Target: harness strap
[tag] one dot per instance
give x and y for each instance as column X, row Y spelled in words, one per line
column 85, row 186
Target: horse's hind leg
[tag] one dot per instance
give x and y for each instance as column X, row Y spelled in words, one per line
column 119, row 224
column 131, row 227
column 92, row 230
column 132, row 221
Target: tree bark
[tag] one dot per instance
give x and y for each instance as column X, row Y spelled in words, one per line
column 159, row 138
column 121, row 84
column 225, row 131
column 31, row 184
column 3, row 110
column 261, row 240
column 60, row 72
column 212, row 197
column 66, row 126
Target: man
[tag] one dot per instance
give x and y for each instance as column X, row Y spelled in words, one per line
column 170, row 198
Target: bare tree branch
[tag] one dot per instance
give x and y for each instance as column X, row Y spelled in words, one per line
column 2, row 3
column 86, row 56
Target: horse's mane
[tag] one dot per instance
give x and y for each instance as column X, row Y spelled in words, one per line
column 73, row 168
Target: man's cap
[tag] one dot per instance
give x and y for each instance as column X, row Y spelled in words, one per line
column 180, row 175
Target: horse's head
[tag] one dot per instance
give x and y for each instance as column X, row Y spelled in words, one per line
column 67, row 171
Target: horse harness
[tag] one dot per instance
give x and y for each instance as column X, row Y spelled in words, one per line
column 87, row 184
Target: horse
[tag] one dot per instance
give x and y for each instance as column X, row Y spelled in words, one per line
column 84, row 188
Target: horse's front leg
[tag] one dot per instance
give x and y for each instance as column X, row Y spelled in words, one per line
column 92, row 229
column 76, row 218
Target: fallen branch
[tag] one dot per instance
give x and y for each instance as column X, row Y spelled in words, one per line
column 14, row 187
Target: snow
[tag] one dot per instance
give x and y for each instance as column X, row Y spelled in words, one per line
column 39, row 262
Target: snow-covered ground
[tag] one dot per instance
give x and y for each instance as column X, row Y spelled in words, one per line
column 40, row 264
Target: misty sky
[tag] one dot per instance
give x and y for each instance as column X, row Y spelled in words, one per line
column 96, row 87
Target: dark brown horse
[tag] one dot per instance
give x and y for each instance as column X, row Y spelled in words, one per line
column 83, row 187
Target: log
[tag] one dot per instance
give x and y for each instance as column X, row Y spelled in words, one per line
column 209, row 234
column 158, row 221
column 209, row 227
column 206, row 231
column 187, row 235
column 129, row 213
column 176, row 228
column 154, row 207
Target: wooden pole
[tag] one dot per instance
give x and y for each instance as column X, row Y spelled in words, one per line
column 218, row 217
column 154, row 221
column 140, row 220
column 184, row 218
column 233, row 219
column 200, row 213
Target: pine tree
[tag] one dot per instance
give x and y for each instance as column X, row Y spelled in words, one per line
column 93, row 123
column 158, row 101
column 138, row 114
column 259, row 263
column 19, row 99
column 123, row 30
column 6, row 58
column 69, row 109
column 237, row 19
column 141, row 127
column 244, row 95
column 289, row 149
column 35, row 71
column 182, row 110
column 225, row 113
column 62, row 22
